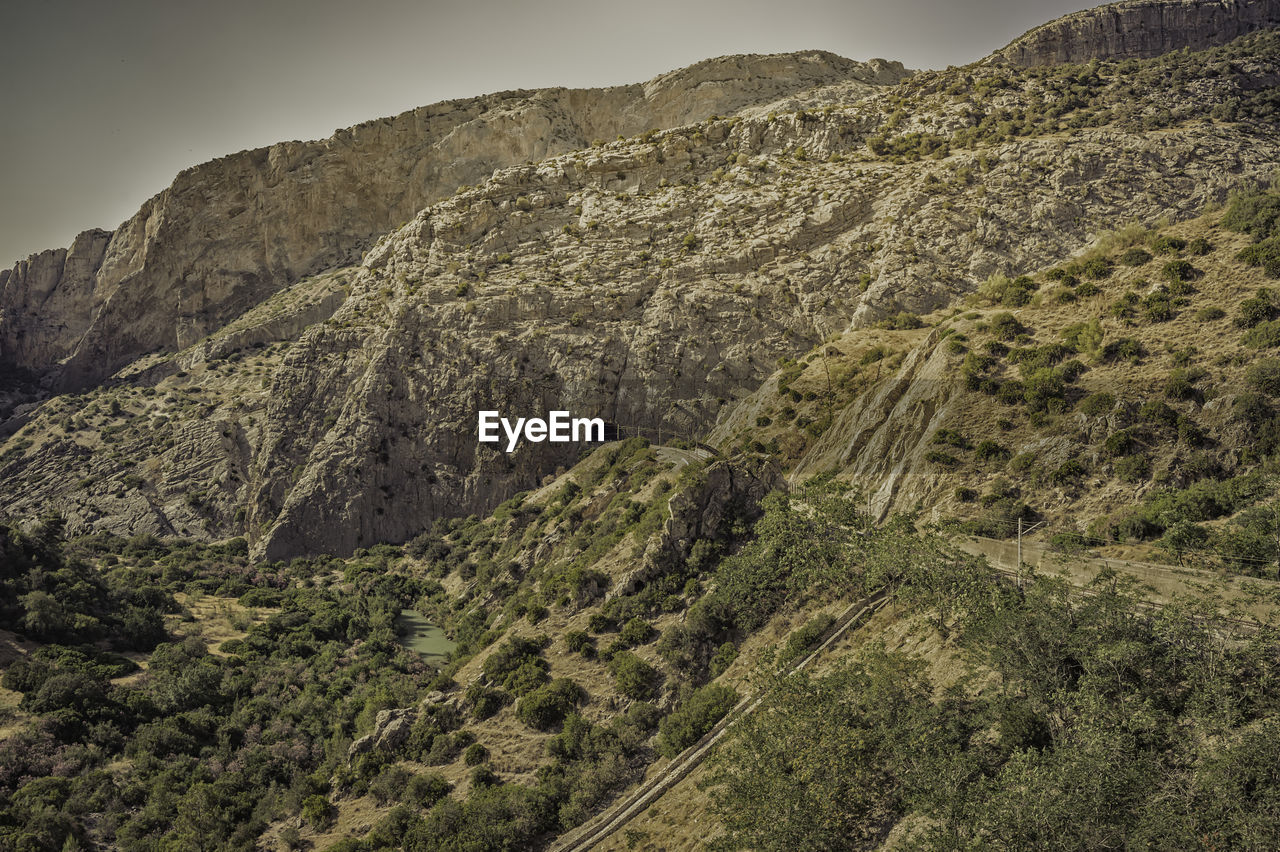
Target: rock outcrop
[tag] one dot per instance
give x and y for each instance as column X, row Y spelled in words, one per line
column 229, row 233
column 654, row 282
column 726, row 492
column 1139, row 29
column 391, row 730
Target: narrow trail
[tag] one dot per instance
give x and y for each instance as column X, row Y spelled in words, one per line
column 1165, row 581
column 614, row 817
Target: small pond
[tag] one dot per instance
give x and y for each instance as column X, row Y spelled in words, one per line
column 418, row 634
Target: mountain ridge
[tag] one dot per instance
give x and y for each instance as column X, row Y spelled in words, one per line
column 229, row 232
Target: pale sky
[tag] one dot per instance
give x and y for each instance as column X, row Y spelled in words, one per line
column 105, row 102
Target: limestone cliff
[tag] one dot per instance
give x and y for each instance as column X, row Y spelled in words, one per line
column 229, row 233
column 1139, row 29
column 656, row 281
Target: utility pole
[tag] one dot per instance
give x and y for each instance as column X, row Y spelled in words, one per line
column 1020, row 532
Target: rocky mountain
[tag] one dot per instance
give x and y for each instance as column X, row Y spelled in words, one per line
column 1139, row 29
column 657, row 281
column 229, row 233
column 261, row 587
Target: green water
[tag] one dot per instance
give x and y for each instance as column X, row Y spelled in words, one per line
column 418, row 634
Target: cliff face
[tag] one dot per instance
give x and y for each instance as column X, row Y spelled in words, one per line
column 1140, row 29
column 655, row 281
column 231, row 232
column 48, row 299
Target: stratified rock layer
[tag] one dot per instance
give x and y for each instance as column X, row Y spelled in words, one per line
column 229, row 233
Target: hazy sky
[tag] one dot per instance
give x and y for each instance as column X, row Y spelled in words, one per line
column 105, row 101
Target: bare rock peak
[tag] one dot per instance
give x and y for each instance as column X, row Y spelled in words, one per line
column 1139, row 29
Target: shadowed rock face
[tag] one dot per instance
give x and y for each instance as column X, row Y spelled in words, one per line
column 1140, row 29
column 229, row 233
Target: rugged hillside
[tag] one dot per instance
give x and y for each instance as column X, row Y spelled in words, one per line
column 1139, row 29
column 876, row 326
column 184, row 694
column 229, row 233
column 1105, row 395
column 653, row 281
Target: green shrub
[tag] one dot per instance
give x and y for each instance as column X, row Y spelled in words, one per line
column 806, row 637
column 1097, row 404
column 634, row 677
column 1158, row 306
column 1178, row 270
column 1157, row 412
column 1005, row 326
column 1010, row 293
column 1255, row 212
column 576, row 640
column 317, row 811
column 1066, row 473
column 637, row 631
column 689, row 722
column 1168, row 245
column 1032, row 358
column 1045, row 390
column 1084, row 337
column 1256, row 310
column 1252, row 408
column 485, row 702
column 1011, row 392
column 475, row 755
column 1265, row 254
column 1124, row 349
column 424, row 791
column 1096, row 268
column 1120, row 443
column 1135, row 468
column 1135, row 257
column 723, row 658
column 546, row 707
column 989, row 450
column 1265, row 335
column 1181, row 383
column 530, row 675
column 1264, row 376
column 389, row 786
column 901, row 321
column 951, row 438
column 1022, row 462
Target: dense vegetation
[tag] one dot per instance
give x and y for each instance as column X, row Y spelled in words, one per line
column 1084, row 720
column 1108, row 725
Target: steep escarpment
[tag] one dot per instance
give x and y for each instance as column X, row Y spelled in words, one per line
column 229, row 233
column 1113, row 396
column 652, row 281
column 47, row 300
column 1139, row 29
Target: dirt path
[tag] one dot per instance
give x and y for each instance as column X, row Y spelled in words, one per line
column 1164, row 582
column 611, row 819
